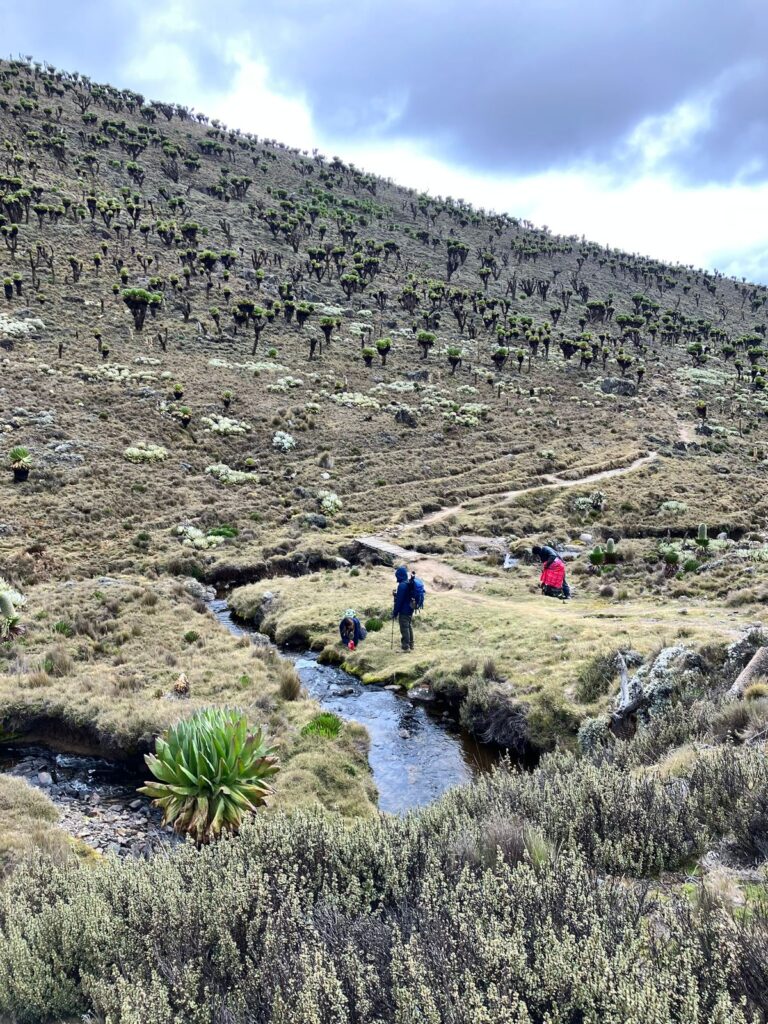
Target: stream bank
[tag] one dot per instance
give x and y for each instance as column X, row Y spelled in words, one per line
column 417, row 751
column 96, row 798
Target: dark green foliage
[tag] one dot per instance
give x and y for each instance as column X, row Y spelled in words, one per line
column 374, row 624
column 326, row 724
column 223, row 531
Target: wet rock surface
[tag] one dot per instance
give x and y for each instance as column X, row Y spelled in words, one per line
column 97, row 800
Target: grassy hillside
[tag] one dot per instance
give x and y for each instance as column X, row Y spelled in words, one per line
column 189, row 313
column 235, row 364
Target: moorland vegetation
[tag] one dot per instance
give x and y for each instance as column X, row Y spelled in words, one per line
column 231, row 364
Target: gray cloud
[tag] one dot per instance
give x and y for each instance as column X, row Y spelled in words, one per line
column 517, row 87
column 496, row 85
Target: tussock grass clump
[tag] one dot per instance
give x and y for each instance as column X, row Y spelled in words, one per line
column 290, row 684
column 326, row 724
column 596, row 677
column 27, row 825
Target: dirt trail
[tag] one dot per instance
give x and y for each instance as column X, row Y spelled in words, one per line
column 440, row 576
column 687, row 433
column 550, row 482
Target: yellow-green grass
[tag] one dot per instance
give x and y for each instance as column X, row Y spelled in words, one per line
column 27, row 824
column 538, row 645
column 98, row 665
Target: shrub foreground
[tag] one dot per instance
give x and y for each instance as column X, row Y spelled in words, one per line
column 515, row 900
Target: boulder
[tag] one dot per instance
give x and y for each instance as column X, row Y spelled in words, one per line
column 406, row 418
column 618, row 386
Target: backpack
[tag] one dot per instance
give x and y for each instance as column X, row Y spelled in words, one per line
column 416, row 593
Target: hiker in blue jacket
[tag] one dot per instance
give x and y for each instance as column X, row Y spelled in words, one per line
column 403, row 609
column 351, row 629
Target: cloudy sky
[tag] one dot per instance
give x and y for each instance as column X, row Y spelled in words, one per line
column 641, row 125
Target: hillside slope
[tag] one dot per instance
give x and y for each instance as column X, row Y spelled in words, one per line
column 188, row 320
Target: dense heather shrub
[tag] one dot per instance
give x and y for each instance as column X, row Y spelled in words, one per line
column 479, row 908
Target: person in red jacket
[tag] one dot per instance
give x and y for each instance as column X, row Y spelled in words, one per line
column 552, row 579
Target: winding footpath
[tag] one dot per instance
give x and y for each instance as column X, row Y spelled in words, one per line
column 441, row 576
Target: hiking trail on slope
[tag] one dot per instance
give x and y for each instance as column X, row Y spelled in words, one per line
column 441, row 576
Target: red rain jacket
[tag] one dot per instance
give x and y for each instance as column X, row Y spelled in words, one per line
column 552, row 575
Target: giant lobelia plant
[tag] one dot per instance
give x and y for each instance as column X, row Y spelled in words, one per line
column 211, row 772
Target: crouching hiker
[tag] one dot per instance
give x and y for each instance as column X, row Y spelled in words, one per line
column 552, row 580
column 351, row 630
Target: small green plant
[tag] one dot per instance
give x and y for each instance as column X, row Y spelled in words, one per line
column 64, row 628
column 701, row 537
column 191, row 636
column 691, row 564
column 669, row 555
column 326, row 724
column 223, row 531
column 211, row 772
column 20, row 461
column 374, row 624
column 757, row 691
column 611, row 555
column 597, row 555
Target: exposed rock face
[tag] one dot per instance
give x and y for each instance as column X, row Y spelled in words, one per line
column 406, row 417
column 618, row 386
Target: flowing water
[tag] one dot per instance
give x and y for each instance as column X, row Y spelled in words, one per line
column 416, row 751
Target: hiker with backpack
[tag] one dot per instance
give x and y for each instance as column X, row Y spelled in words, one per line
column 552, row 580
column 351, row 630
column 409, row 599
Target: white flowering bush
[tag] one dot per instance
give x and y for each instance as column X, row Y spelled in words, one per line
column 192, row 537
column 399, row 387
column 225, row 426
column 285, row 384
column 283, row 442
column 355, row 400
column 221, row 471
column 467, row 415
column 673, row 507
column 329, row 502
column 143, row 451
column 114, row 372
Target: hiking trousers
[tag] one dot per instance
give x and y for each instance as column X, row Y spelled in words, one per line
column 406, row 631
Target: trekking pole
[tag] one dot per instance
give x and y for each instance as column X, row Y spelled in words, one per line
column 392, row 642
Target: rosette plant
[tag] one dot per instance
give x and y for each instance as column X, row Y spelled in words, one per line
column 210, row 772
column 20, row 462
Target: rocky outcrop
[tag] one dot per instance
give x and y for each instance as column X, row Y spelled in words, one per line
column 618, row 386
